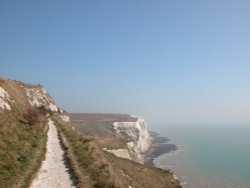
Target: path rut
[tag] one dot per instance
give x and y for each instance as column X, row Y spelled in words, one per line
column 54, row 172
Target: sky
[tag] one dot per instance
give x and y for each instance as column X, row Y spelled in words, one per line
column 169, row 61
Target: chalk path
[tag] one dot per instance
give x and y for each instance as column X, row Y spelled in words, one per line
column 54, row 173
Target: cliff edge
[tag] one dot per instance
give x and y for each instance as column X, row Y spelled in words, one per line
column 87, row 139
column 137, row 136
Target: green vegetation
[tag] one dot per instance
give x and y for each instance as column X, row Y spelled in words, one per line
column 23, row 135
column 89, row 167
column 22, row 148
column 94, row 167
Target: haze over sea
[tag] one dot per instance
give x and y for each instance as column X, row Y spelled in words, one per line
column 216, row 156
column 166, row 61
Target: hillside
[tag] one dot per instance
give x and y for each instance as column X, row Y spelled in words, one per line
column 24, row 115
column 23, row 128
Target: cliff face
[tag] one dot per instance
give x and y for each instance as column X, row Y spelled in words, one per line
column 5, row 100
column 120, row 137
column 39, row 96
column 137, row 135
column 123, row 136
column 19, row 97
column 14, row 94
column 24, row 111
column 22, row 131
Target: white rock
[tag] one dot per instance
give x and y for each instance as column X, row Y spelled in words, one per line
column 123, row 153
column 65, row 118
column 138, row 135
column 53, row 107
column 5, row 100
column 44, row 91
column 130, row 145
column 39, row 97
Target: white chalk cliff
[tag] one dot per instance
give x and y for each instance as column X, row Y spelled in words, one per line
column 5, row 100
column 40, row 97
column 33, row 95
column 138, row 139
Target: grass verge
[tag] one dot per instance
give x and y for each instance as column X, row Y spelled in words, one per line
column 22, row 149
column 94, row 167
column 81, row 151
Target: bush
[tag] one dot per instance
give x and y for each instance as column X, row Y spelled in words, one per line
column 32, row 115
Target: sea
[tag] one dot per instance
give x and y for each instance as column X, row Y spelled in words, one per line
column 208, row 156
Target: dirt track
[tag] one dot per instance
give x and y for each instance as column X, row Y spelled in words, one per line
column 54, row 172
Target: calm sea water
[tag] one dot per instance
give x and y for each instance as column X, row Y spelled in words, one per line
column 208, row 156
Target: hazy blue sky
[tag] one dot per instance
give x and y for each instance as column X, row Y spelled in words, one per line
column 176, row 61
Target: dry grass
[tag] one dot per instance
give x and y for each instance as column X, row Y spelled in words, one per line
column 22, row 141
column 104, row 169
column 82, row 155
column 22, row 148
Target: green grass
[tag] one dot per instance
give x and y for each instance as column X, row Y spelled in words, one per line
column 89, row 167
column 22, row 148
column 94, row 167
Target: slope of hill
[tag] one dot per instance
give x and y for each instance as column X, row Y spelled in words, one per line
column 22, row 134
column 103, row 168
column 123, row 135
column 24, row 113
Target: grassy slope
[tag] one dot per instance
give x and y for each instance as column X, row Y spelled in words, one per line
column 100, row 127
column 103, row 169
column 22, row 146
column 23, row 142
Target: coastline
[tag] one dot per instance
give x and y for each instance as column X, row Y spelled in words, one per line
column 159, row 146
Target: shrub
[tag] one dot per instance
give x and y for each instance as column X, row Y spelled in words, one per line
column 32, row 115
